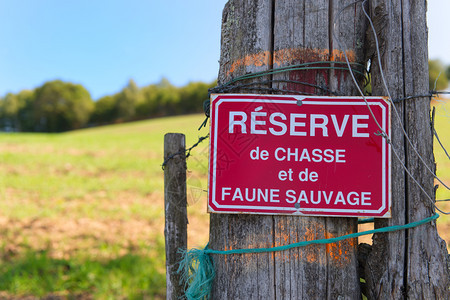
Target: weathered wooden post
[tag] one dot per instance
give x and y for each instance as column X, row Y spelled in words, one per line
column 175, row 230
column 257, row 36
column 406, row 264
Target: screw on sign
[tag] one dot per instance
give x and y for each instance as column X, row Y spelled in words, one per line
column 299, row 155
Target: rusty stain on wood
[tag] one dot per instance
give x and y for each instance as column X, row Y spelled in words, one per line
column 290, row 55
column 339, row 252
column 257, row 59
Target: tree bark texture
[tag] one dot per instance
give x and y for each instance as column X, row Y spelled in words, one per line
column 246, row 48
column 175, row 229
column 409, row 264
column 258, row 35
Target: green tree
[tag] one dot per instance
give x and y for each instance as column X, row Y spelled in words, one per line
column 61, row 106
column 127, row 100
column 15, row 111
column 9, row 112
column 158, row 100
column 105, row 110
column 192, row 96
column 437, row 74
column 168, row 98
column 26, row 99
column 149, row 105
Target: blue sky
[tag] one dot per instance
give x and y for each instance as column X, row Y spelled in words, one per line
column 102, row 44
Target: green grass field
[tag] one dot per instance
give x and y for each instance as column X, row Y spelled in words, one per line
column 81, row 213
column 442, row 126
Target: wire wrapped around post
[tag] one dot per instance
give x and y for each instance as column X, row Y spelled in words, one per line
column 197, row 266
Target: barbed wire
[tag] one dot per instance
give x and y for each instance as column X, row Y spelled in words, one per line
column 230, row 87
column 185, row 151
column 433, row 113
column 382, row 132
column 390, row 97
column 315, row 65
column 352, row 68
column 197, row 267
column 233, row 84
column 298, row 67
column 440, row 143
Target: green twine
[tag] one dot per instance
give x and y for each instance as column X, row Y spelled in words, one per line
column 197, row 266
column 197, row 273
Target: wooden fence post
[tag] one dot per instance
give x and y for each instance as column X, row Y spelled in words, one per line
column 259, row 35
column 409, row 264
column 175, row 230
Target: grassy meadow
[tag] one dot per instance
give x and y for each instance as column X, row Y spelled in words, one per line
column 81, row 213
column 442, row 127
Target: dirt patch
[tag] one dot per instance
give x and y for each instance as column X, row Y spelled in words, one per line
column 63, row 238
column 114, row 226
column 40, row 148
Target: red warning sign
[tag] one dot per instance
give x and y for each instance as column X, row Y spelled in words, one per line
column 299, row 155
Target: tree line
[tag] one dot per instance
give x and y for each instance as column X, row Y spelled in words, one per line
column 59, row 106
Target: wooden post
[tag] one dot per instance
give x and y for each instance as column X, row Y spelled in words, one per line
column 256, row 36
column 175, row 230
column 408, row 264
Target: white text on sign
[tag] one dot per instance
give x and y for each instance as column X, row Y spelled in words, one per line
column 278, row 123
